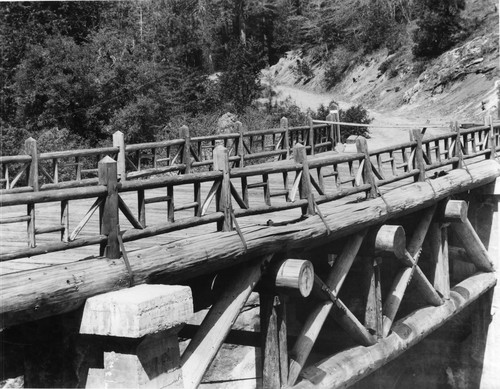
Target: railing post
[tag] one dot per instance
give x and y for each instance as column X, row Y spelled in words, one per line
column 458, row 146
column 491, row 138
column 186, row 152
column 30, row 148
column 286, row 136
column 333, row 116
column 109, row 217
column 417, row 136
column 368, row 177
column 300, row 156
column 221, row 163
column 241, row 146
column 311, row 135
column 119, row 141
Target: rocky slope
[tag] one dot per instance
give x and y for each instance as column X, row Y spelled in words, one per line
column 458, row 85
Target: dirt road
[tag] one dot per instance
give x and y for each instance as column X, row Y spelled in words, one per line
column 380, row 136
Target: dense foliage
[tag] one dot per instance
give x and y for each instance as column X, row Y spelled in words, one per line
column 73, row 72
column 439, row 27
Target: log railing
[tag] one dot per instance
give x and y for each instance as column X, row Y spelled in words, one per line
column 285, row 184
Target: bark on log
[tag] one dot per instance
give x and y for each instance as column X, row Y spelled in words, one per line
column 346, row 368
column 32, row 295
column 473, row 245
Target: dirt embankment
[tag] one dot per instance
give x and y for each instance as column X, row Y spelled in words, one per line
column 458, row 85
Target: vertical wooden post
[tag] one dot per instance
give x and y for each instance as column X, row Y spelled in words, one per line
column 311, row 135
column 221, row 162
column 55, row 170
column 141, row 207
column 186, row 152
column 368, row 177
column 170, row 204
column 300, row 156
column 417, row 136
column 286, row 136
column 109, row 225
column 119, row 141
column 458, row 147
column 331, row 131
column 282, row 339
column 270, row 343
column 491, row 138
column 65, row 220
column 440, row 272
column 30, row 148
column 373, row 312
column 241, row 145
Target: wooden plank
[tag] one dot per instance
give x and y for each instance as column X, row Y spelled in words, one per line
column 217, row 323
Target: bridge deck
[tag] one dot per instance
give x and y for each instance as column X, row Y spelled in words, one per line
column 14, row 234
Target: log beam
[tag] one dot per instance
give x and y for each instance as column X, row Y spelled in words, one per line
column 31, row 295
column 295, row 274
column 388, row 239
column 346, row 368
column 317, row 317
column 213, row 330
column 473, row 245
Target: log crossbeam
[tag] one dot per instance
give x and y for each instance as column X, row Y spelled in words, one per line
column 412, row 270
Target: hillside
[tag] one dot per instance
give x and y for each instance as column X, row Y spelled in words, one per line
column 458, row 85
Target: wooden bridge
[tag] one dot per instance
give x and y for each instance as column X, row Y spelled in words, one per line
column 275, row 211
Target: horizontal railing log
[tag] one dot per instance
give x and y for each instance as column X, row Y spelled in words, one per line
column 379, row 167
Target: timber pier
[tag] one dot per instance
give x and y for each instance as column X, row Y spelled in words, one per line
column 355, row 257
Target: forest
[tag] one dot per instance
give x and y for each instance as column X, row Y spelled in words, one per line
column 72, row 73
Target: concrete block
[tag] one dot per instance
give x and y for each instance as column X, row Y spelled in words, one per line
column 153, row 364
column 137, row 311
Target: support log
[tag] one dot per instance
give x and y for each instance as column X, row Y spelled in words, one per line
column 295, row 274
column 373, row 311
column 403, row 278
column 346, row 368
column 343, row 315
column 387, row 239
column 440, row 269
column 270, row 349
column 31, row 295
column 213, row 330
column 317, row 317
column 473, row 245
column 455, row 211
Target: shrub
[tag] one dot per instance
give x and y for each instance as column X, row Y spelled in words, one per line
column 439, row 28
column 355, row 114
column 303, row 71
